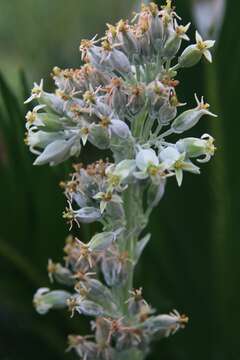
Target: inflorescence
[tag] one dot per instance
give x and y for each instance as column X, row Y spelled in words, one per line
column 124, row 100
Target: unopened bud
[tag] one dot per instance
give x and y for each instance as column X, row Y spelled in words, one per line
column 44, row 300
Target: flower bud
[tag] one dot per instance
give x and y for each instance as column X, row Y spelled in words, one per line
column 165, row 325
column 61, row 274
column 84, row 348
column 40, row 139
column 90, row 308
column 115, row 59
column 190, row 118
column 115, row 266
column 157, row 94
column 88, row 215
column 126, row 38
column 119, row 128
column 137, row 98
column 174, row 41
column 59, row 151
column 190, row 57
column 115, row 212
column 93, row 290
column 44, row 300
column 102, row 241
column 99, row 137
column 156, row 30
column 167, row 113
column 49, row 122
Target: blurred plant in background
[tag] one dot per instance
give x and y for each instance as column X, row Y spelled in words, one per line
column 209, row 16
column 206, row 262
column 37, row 35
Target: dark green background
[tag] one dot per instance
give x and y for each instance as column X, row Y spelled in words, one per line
column 192, row 262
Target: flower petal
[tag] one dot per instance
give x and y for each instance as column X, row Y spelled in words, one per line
column 145, row 158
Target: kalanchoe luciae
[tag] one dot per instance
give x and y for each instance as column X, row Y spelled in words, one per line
column 123, row 99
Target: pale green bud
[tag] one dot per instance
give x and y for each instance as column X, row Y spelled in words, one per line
column 50, row 122
column 102, row 241
column 99, row 137
column 165, row 325
column 174, row 41
column 44, row 300
column 190, row 118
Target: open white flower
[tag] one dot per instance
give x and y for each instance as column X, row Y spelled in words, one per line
column 106, row 198
column 176, row 161
column 149, row 166
column 117, row 174
column 204, row 46
column 193, row 53
column 36, row 92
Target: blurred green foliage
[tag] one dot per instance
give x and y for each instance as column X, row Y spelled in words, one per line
column 192, row 262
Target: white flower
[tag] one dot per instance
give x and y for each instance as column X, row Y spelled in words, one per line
column 106, row 198
column 203, row 46
column 36, row 92
column 44, row 300
column 145, row 159
column 118, row 173
column 174, row 160
column 194, row 147
column 193, row 53
column 148, row 164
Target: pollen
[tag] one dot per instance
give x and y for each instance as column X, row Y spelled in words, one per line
column 89, row 97
column 153, row 170
column 105, row 122
column 31, row 117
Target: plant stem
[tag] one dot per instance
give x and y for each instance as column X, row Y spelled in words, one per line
column 133, row 207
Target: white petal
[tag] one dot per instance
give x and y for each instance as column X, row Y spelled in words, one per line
column 145, row 158
column 103, row 205
column 84, row 139
column 198, row 37
column 179, row 176
column 119, row 128
column 170, row 153
column 189, row 166
column 208, row 55
column 54, row 153
column 125, row 168
column 209, row 43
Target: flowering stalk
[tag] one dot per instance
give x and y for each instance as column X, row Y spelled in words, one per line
column 122, row 99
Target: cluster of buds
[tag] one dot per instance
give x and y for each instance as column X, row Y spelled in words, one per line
column 124, row 100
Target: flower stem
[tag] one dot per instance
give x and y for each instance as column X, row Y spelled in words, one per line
column 133, row 207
